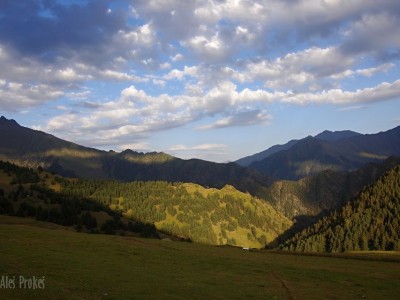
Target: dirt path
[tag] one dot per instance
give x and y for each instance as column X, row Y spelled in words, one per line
column 284, row 286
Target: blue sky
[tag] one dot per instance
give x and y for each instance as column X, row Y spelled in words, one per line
column 215, row 80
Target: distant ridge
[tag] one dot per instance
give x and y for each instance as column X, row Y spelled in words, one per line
column 339, row 151
column 325, row 135
column 27, row 147
column 331, row 136
column 246, row 161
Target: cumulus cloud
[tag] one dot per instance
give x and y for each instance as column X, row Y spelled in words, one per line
column 135, row 113
column 367, row 72
column 375, row 33
column 15, row 96
column 301, row 68
column 172, row 63
column 241, row 119
column 382, row 92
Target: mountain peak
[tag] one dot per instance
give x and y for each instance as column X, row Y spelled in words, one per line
column 145, row 158
column 331, row 136
column 4, row 121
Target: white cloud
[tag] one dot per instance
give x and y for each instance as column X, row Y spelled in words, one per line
column 29, row 83
column 208, row 48
column 187, row 61
column 119, row 76
column 136, row 114
column 368, row 72
column 16, row 96
column 180, row 74
column 142, row 36
column 177, row 57
column 202, row 147
column 79, row 95
column 382, row 92
column 375, row 33
column 165, row 65
column 302, row 68
column 245, row 11
column 351, row 108
column 202, row 151
column 241, row 119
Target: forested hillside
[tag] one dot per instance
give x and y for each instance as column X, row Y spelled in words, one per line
column 370, row 222
column 183, row 210
column 189, row 211
column 327, row 190
column 36, row 194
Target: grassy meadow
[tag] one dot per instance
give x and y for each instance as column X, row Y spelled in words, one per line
column 85, row 266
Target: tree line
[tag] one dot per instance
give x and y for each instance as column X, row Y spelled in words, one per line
column 370, row 222
column 27, row 195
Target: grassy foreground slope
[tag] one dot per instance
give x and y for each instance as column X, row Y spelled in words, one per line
column 83, row 266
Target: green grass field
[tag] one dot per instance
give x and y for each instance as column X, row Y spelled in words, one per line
column 84, row 266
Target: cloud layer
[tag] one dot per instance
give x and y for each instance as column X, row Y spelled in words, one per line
column 206, row 64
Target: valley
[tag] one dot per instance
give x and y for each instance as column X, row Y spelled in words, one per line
column 221, row 149
column 198, row 227
column 153, row 193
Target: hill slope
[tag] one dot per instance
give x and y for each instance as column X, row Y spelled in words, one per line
column 84, row 266
column 327, row 190
column 36, row 194
column 188, row 210
column 182, row 210
column 370, row 222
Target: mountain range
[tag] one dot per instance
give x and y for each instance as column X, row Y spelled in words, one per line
column 301, row 177
column 338, row 151
column 302, row 181
column 325, row 135
column 31, row 148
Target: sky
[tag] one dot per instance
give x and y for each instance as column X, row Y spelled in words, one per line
column 215, row 80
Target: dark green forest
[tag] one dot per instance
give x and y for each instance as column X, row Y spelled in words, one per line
column 191, row 212
column 187, row 210
column 370, row 222
column 183, row 210
column 25, row 192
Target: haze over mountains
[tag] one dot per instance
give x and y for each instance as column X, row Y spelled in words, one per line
column 338, row 151
column 321, row 162
column 301, row 181
column 31, row 148
column 170, row 149
column 325, row 135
